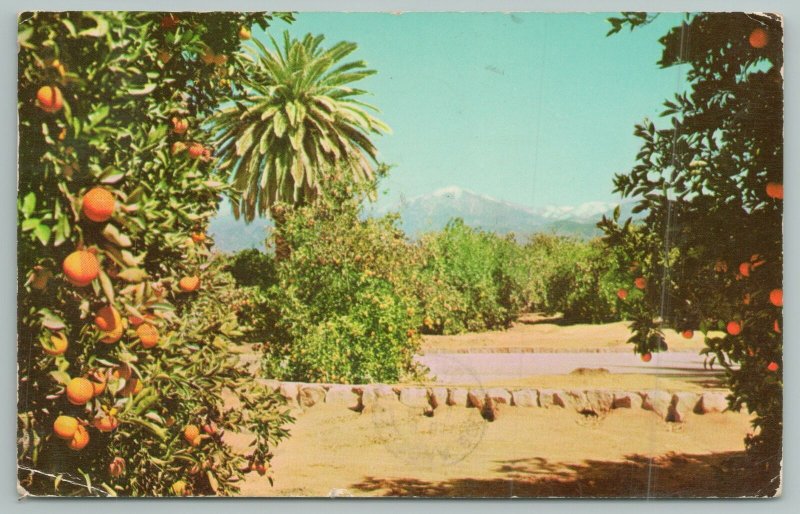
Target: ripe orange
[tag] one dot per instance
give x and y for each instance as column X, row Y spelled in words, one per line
column 179, row 125
column 148, row 335
column 80, row 439
column 190, row 433
column 109, row 321
column 98, row 204
column 79, row 391
column 622, row 294
column 772, row 366
column 640, row 283
column 81, row 267
column 244, row 33
column 647, row 357
column 117, row 467
column 106, row 423
column 198, row 237
column 775, row 190
column 746, row 299
column 196, row 150
column 744, row 269
column 178, row 147
column 776, row 297
column 189, row 284
column 759, row 38
column 49, row 99
column 220, row 59
column 261, row 468
column 734, row 328
column 688, row 334
column 64, row 427
column 58, row 344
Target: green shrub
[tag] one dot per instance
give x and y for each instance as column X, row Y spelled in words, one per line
column 478, row 282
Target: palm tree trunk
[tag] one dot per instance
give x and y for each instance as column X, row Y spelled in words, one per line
column 282, row 249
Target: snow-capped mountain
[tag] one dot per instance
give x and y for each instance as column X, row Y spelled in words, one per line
column 431, row 212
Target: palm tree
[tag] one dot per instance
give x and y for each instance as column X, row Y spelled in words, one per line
column 299, row 121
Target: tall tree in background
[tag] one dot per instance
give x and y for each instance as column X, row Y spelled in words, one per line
column 300, row 120
column 708, row 256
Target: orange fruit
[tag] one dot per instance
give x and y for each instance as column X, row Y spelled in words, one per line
column 196, row 150
column 759, row 38
column 190, row 433
column 80, row 439
column 148, row 335
column 220, row 59
column 640, row 283
column 178, row 147
column 117, row 467
column 106, row 423
column 772, row 366
column 198, row 237
column 79, row 391
column 734, row 328
column 746, row 299
column 64, row 427
column 189, row 284
column 776, row 297
column 58, row 344
column 179, row 125
column 647, row 357
column 98, row 204
column 744, row 269
column 81, row 267
column 244, row 33
column 261, row 468
column 775, row 190
column 109, row 322
column 776, row 327
column 622, row 294
column 688, row 334
column 49, row 99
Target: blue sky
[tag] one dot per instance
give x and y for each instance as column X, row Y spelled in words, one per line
column 536, row 109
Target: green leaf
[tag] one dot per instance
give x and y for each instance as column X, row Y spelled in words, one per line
column 51, row 321
column 30, row 224
column 113, row 234
column 146, row 89
column 108, row 288
column 29, row 204
column 42, row 233
column 133, row 274
column 61, row 377
column 98, row 31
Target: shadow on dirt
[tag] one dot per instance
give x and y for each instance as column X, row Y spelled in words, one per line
column 727, row 474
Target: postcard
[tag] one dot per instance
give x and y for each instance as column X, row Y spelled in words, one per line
column 516, row 255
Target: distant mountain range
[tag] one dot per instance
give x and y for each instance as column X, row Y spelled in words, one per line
column 432, row 211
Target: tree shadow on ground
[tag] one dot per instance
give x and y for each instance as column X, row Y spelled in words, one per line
column 727, row 474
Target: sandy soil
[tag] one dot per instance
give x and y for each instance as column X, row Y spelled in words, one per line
column 525, row 452
column 537, row 333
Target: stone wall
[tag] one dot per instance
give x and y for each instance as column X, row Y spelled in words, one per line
column 670, row 406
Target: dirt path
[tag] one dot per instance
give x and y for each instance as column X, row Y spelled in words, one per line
column 526, row 452
column 537, row 333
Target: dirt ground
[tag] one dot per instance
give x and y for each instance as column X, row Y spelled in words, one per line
column 525, row 452
column 538, row 333
column 397, row 451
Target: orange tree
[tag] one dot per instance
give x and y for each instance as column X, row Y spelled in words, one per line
column 123, row 322
column 708, row 255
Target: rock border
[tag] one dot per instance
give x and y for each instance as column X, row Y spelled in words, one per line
column 670, row 406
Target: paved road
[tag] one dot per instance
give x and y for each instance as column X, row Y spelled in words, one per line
column 464, row 367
